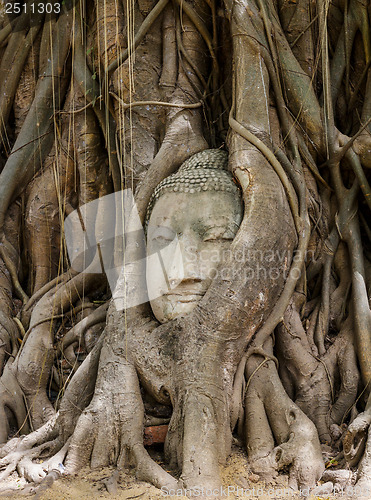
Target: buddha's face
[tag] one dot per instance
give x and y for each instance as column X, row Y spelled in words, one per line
column 189, row 232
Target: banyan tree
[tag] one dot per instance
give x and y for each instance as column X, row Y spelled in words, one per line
column 233, row 137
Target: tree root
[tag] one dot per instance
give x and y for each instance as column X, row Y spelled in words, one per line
column 12, row 404
column 25, row 158
column 356, row 437
column 31, row 368
column 76, row 333
column 357, row 451
column 324, row 387
column 271, row 417
column 8, row 282
column 19, row 452
column 107, row 428
column 364, row 467
column 53, row 438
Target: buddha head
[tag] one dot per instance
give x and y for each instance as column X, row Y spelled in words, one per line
column 192, row 218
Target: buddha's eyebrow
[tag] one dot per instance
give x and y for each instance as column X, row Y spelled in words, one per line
column 217, row 218
column 221, row 219
column 231, row 226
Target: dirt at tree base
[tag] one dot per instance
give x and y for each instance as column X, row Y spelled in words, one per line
column 90, row 484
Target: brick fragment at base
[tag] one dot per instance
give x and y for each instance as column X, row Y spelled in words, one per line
column 154, row 434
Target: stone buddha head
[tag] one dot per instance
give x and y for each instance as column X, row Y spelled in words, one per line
column 192, row 218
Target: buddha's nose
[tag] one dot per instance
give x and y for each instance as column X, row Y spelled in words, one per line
column 189, row 250
column 181, row 262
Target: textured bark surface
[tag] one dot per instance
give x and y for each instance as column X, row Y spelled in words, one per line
column 276, row 354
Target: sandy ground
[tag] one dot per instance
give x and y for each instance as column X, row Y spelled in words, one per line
column 238, row 483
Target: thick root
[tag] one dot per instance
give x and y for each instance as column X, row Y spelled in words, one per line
column 12, row 407
column 355, row 439
column 364, row 470
column 96, row 440
column 112, row 425
column 357, row 449
column 18, row 453
column 301, row 452
column 325, row 386
column 297, row 440
column 193, row 440
column 33, row 364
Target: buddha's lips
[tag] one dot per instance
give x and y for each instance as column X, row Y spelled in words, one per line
column 185, row 296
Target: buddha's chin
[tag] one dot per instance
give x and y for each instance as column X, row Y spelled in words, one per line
column 166, row 308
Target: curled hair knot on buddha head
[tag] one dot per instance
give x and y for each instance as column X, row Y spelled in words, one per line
column 204, row 171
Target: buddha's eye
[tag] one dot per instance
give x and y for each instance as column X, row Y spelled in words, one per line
column 162, row 235
column 218, row 234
